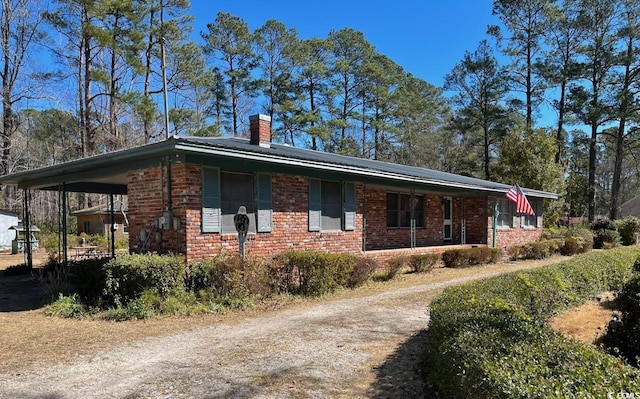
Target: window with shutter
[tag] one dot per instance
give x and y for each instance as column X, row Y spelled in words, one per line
column 210, row 200
column 504, row 218
column 315, row 209
column 236, row 190
column 402, row 208
column 535, row 220
column 328, row 205
column 349, row 206
column 265, row 211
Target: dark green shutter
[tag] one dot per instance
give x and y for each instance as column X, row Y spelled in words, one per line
column 349, row 206
column 210, row 200
column 315, row 204
column 265, row 212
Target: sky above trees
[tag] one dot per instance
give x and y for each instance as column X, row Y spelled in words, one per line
column 534, row 91
column 426, row 37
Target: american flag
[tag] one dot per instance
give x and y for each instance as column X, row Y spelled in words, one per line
column 516, row 195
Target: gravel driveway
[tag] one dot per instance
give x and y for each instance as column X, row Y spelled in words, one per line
column 364, row 347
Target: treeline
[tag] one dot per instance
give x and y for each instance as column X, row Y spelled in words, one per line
column 84, row 77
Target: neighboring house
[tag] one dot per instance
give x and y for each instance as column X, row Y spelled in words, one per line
column 631, row 207
column 184, row 192
column 7, row 219
column 96, row 220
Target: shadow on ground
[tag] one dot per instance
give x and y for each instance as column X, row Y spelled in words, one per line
column 20, row 292
column 402, row 374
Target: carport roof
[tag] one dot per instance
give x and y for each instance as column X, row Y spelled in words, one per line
column 107, row 173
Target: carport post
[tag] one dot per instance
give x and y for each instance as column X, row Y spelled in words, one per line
column 64, row 224
column 27, row 231
column 113, row 231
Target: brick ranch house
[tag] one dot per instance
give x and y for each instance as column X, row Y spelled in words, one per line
column 183, row 193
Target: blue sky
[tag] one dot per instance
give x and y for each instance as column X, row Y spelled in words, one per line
column 426, row 37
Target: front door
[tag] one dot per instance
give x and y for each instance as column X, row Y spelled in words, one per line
column 447, row 218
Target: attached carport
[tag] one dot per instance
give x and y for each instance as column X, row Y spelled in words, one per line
column 101, row 174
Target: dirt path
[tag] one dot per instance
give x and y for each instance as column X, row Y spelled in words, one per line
column 358, row 347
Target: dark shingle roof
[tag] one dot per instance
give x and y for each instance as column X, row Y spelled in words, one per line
column 358, row 166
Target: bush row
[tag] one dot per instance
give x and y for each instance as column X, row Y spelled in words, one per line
column 138, row 286
column 608, row 233
column 563, row 241
column 467, row 257
column 488, row 339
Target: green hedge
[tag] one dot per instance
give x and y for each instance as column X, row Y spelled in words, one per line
column 488, row 339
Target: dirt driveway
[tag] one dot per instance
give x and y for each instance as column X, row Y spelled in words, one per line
column 360, row 344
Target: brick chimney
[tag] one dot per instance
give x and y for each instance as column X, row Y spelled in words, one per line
column 260, row 128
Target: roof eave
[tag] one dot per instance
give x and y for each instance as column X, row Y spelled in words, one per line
column 263, row 157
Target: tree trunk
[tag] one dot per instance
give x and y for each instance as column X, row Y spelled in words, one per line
column 591, row 184
column 561, row 112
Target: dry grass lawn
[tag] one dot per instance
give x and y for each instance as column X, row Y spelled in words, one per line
column 30, row 338
column 588, row 322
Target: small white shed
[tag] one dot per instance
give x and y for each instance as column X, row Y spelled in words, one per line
column 7, row 219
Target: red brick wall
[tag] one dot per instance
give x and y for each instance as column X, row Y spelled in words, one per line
column 378, row 236
column 147, row 192
column 508, row 237
column 475, row 219
column 290, row 217
column 148, row 200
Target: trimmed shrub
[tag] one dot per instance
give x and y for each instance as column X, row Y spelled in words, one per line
column 466, row 257
column 227, row 277
column 455, row 258
column 395, row 265
column 483, row 255
column 552, row 233
column 128, row 276
column 538, row 249
column 281, row 275
column 571, row 246
column 222, row 275
column 423, row 263
column 88, row 278
column 489, row 338
column 319, row 273
column 515, row 252
column 605, row 234
column 584, row 237
column 607, row 239
column 555, row 245
column 362, row 271
column 629, row 228
column 532, row 250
